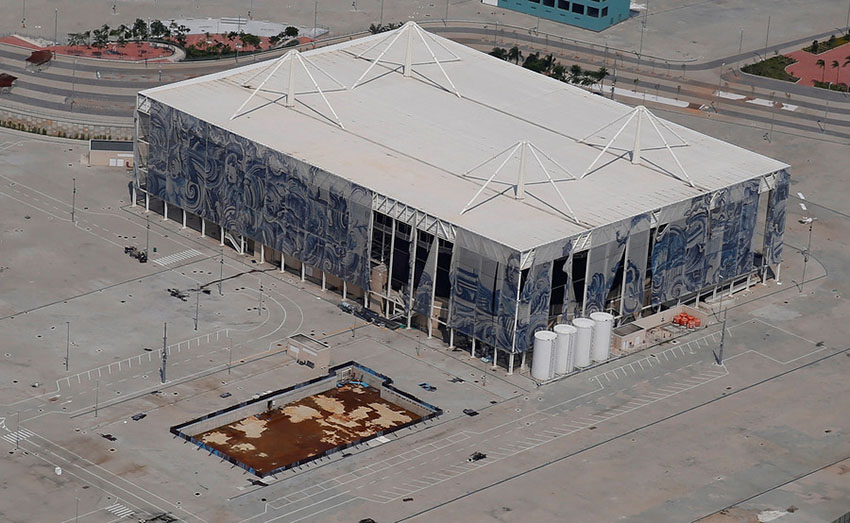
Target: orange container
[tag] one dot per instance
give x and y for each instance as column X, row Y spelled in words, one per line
column 691, row 324
column 697, row 322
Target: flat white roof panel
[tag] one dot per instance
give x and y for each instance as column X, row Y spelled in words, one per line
column 413, row 140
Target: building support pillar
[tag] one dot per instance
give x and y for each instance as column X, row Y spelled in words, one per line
column 451, row 338
column 778, row 270
column 584, row 291
column 390, row 270
column 164, row 210
column 324, row 284
column 433, row 288
column 414, row 242
column 472, row 349
column 184, row 218
column 203, row 228
column 344, row 290
column 262, row 254
column 522, row 361
column 147, row 201
column 133, row 196
column 622, row 283
column 495, row 357
column 241, row 244
column 303, row 271
column 511, row 364
column 221, row 230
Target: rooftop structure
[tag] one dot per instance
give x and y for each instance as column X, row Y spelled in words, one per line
column 479, row 169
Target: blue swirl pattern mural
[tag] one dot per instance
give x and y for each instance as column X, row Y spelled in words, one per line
column 252, row 190
column 484, row 290
column 775, row 222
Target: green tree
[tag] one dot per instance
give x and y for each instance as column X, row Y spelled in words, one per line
column 815, row 47
column 822, row 65
column 159, row 30
column 576, row 73
column 600, row 75
column 836, row 65
column 140, row 29
column 273, row 40
column 291, row 32
column 100, row 37
column 559, row 72
column 249, row 40
column 515, row 54
column 500, row 53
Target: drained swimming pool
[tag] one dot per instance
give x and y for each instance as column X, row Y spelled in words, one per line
column 290, row 427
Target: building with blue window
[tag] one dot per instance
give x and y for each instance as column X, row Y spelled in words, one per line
column 457, row 192
column 595, row 15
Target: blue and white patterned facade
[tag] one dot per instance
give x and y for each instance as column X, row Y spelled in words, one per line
column 497, row 295
column 262, row 194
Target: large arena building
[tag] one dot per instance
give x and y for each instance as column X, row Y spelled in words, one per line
column 457, row 192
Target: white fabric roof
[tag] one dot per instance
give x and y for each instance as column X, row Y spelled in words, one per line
column 412, row 139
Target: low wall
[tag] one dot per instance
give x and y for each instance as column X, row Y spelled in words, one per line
column 63, row 127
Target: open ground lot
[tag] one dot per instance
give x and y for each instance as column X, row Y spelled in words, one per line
column 662, row 435
column 675, row 29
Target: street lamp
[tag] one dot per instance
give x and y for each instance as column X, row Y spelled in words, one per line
column 810, row 221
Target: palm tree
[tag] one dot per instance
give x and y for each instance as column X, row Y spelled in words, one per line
column 515, row 54
column 836, row 65
column 600, row 75
column 575, row 74
column 822, row 65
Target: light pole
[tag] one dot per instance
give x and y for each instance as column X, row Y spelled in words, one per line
column 260, row 308
column 18, row 430
column 810, row 221
column 74, row 82
column 96, row 396
column 74, row 201
column 229, row 357
column 741, row 42
column 77, row 513
column 23, row 13
column 164, row 352
column 718, row 357
column 147, row 233
column 67, row 345
column 55, row 30
column 719, row 84
column 315, row 16
column 221, row 273
column 447, row 14
column 197, row 306
column 766, row 37
column 381, row 22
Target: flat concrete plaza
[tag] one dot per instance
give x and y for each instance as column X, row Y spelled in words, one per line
column 665, row 434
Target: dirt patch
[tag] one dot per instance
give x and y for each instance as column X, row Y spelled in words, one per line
column 251, row 427
column 307, row 428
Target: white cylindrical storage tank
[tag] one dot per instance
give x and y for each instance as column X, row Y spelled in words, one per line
column 582, row 341
column 542, row 367
column 603, row 324
column 564, row 353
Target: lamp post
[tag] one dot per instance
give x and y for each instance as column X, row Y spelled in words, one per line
column 55, row 30
column 810, row 221
column 67, row 345
column 221, row 272
column 74, row 201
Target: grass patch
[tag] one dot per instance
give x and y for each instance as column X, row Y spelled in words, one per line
column 831, row 86
column 826, row 45
column 772, row 68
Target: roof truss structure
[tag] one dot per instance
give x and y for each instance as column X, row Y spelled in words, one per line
column 519, row 185
column 411, row 33
column 638, row 115
column 293, row 58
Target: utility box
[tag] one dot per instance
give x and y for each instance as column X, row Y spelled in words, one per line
column 310, row 351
